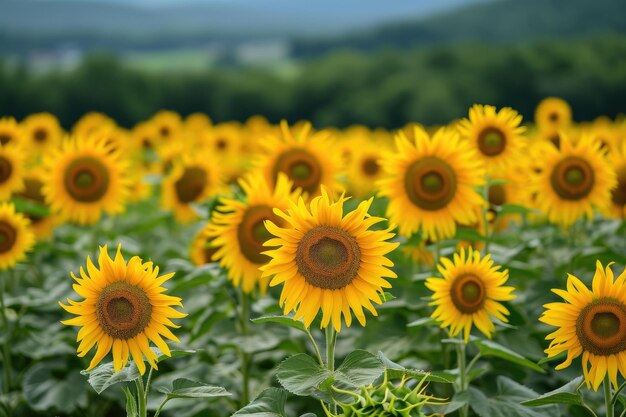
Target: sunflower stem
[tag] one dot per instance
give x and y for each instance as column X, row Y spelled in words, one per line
column 158, row 411
column 463, row 383
column 148, row 383
column 315, row 347
column 619, row 389
column 246, row 358
column 485, row 211
column 607, row 396
column 141, row 397
column 331, row 338
column 6, row 352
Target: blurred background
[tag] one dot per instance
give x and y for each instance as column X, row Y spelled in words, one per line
column 371, row 62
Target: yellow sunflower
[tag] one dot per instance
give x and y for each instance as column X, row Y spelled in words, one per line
column 11, row 170
column 617, row 159
column 10, row 132
column 124, row 308
column 198, row 122
column 238, row 228
column 573, row 181
column 201, row 250
column 430, row 183
column 306, row 158
column 86, row 177
column 329, row 261
column 553, row 114
column 469, row 293
column 167, row 124
column 364, row 167
column 16, row 236
column 193, row 179
column 91, row 122
column 591, row 323
column 41, row 224
column 496, row 136
column 42, row 132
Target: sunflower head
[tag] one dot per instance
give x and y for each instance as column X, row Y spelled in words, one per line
column 11, row 170
column 167, row 125
column 201, row 251
column 469, row 293
column 329, row 261
column 41, row 224
column 591, row 323
column 42, row 131
column 553, row 114
column 10, row 132
column 16, row 236
column 124, row 307
column 92, row 122
column 364, row 165
column 197, row 122
column 617, row 159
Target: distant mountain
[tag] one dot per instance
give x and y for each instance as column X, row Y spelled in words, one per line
column 496, row 21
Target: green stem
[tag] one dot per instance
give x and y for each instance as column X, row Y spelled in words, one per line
column 472, row 362
column 463, row 385
column 317, row 349
column 485, row 214
column 148, row 383
column 607, row 396
column 6, row 352
column 589, row 409
column 331, row 338
column 246, row 358
column 437, row 254
column 619, row 389
column 141, row 396
column 158, row 411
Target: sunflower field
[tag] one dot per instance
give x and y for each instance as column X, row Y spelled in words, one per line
column 186, row 268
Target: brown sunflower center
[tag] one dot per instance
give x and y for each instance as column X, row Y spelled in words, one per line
column 328, row 257
column 5, row 138
column 165, row 131
column 497, row 195
column 8, row 235
column 572, row 178
column 123, row 310
column 491, row 141
column 301, row 167
column 86, row 179
column 370, row 167
column 252, row 233
column 190, row 186
column 601, row 327
column 553, row 117
column 40, row 135
column 6, row 169
column 221, row 144
column 468, row 293
column 619, row 193
column 430, row 183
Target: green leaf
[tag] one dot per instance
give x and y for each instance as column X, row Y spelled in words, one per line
column 284, row 320
column 466, row 233
column 387, row 296
column 490, row 348
column 513, row 209
column 186, row 388
column 103, row 376
column 424, row 321
column 567, row 394
column 359, row 368
column 131, row 403
column 44, row 390
column 33, row 208
column 397, row 371
column 270, row 403
column 301, row 374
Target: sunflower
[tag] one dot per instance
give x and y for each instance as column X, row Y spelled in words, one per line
column 11, row 170
column 193, row 179
column 496, row 136
column 238, row 228
column 16, row 236
column 92, row 122
column 617, row 159
column 469, row 293
column 10, row 132
column 305, row 157
column 198, row 122
column 124, row 308
column 329, row 261
column 167, row 124
column 42, row 132
column 591, row 323
column 431, row 183
column 553, row 114
column 364, row 165
column 419, row 254
column 224, row 142
column 40, row 223
column 573, row 181
column 201, row 250
column 86, row 178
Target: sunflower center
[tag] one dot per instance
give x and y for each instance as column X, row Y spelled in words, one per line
column 553, row 117
column 601, row 327
column 252, row 233
column 302, row 167
column 86, row 179
column 328, row 257
column 123, row 310
column 221, row 144
column 619, row 193
column 6, row 169
column 8, row 234
column 491, row 141
column 430, row 183
column 497, row 195
column 40, row 135
column 370, row 167
column 165, row 131
column 468, row 293
column 572, row 178
column 190, row 186
column 5, row 138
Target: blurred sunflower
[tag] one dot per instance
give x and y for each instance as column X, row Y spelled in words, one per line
column 10, row 132
column 591, row 323
column 419, row 254
column 329, row 261
column 91, row 122
column 86, row 177
column 197, row 122
column 469, row 293
column 42, row 133
column 223, row 141
column 617, row 159
column 201, row 250
column 430, row 183
column 167, row 124
column 553, row 114
column 124, row 308
column 41, row 222
column 11, row 170
column 496, row 136
column 16, row 236
column 573, row 181
column 364, row 167
column 303, row 156
column 238, row 228
column 193, row 179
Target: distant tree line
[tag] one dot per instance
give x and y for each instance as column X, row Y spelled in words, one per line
column 389, row 88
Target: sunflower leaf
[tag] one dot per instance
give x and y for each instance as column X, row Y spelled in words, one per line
column 567, row 394
column 33, row 208
column 301, row 374
column 187, row 388
column 285, row 320
column 270, row 403
column 131, row 403
column 103, row 376
column 490, row 348
column 359, row 368
column 397, row 371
